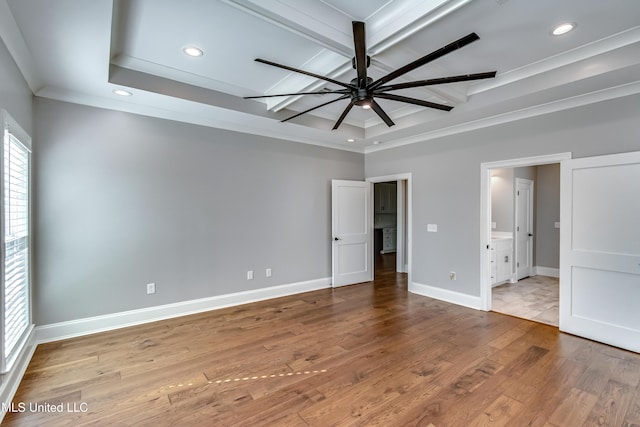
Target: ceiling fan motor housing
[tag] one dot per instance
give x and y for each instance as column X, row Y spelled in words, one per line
column 361, row 95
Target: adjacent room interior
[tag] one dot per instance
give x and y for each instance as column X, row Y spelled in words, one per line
column 525, row 250
column 245, row 212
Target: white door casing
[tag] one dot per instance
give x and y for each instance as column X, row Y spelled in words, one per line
column 485, row 213
column 405, row 178
column 401, row 266
column 600, row 249
column 523, row 228
column 351, row 257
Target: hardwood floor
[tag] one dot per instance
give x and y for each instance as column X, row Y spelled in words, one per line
column 362, row 355
column 534, row 298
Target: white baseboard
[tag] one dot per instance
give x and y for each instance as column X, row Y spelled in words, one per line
column 91, row 325
column 446, row 295
column 11, row 380
column 546, row 271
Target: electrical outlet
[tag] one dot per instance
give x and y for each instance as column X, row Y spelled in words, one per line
column 452, row 275
column 151, row 288
column 267, row 272
column 250, row 275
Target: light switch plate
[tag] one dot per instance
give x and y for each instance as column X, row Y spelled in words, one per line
column 432, row 228
column 556, row 225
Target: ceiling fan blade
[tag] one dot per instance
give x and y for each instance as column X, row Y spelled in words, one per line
column 343, row 115
column 359, row 42
column 437, row 81
column 380, row 112
column 306, row 73
column 322, row 92
column 414, row 101
column 314, row 108
column 425, row 59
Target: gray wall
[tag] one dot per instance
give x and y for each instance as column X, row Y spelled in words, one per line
column 547, row 214
column 124, row 200
column 502, row 199
column 446, row 178
column 15, row 95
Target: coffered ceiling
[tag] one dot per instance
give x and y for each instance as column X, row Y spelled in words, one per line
column 81, row 51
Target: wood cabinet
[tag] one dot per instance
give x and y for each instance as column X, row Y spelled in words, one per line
column 385, row 197
column 501, row 260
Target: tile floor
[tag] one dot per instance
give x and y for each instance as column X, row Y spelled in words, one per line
column 534, row 298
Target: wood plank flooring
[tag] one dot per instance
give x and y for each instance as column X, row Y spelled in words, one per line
column 535, row 298
column 362, row 355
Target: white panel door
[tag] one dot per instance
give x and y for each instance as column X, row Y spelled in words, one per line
column 524, row 227
column 600, row 249
column 351, row 232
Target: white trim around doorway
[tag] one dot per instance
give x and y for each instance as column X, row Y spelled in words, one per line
column 398, row 177
column 485, row 213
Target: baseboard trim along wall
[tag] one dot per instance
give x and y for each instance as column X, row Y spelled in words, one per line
column 446, row 295
column 546, row 271
column 91, row 325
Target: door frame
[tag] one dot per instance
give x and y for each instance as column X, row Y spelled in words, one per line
column 485, row 213
column 337, row 238
column 516, row 211
column 397, row 177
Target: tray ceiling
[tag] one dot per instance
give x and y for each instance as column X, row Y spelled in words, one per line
column 81, row 51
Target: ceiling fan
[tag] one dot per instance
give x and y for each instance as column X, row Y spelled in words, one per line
column 363, row 89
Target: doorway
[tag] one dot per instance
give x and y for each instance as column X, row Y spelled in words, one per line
column 513, row 230
column 391, row 221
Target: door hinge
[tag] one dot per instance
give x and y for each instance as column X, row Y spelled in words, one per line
column 518, row 192
column 517, row 264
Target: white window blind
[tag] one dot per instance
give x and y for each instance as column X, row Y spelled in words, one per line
column 15, row 242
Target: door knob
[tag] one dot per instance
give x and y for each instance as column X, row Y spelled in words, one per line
column 335, row 239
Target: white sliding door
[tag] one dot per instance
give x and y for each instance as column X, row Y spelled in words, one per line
column 600, row 249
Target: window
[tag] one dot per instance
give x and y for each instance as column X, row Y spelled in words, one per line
column 15, row 307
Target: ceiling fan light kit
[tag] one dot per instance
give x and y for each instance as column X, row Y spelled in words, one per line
column 363, row 90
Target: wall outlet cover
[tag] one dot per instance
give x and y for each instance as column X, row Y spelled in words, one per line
column 432, row 228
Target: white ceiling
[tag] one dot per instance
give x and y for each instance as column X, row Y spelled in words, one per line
column 80, row 51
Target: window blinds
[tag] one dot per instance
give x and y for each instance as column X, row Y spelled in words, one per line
column 15, row 177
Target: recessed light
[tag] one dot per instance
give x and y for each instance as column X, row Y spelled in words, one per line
column 351, row 140
column 193, row 51
column 121, row 92
column 563, row 28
